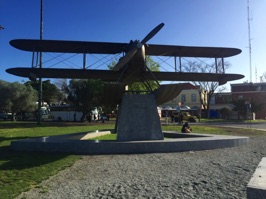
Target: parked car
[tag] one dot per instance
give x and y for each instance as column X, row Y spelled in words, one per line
column 188, row 117
column 103, row 117
column 7, row 116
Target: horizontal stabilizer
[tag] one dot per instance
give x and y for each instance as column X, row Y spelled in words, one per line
column 167, row 92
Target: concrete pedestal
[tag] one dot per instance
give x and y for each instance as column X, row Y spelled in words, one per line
column 256, row 188
column 138, row 118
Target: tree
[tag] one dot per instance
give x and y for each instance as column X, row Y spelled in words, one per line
column 207, row 89
column 85, row 94
column 4, row 99
column 140, row 86
column 225, row 112
column 263, row 77
column 50, row 93
column 17, row 98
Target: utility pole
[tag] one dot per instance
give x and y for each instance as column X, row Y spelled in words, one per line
column 40, row 79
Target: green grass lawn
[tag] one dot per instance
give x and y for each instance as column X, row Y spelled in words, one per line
column 20, row 171
column 205, row 129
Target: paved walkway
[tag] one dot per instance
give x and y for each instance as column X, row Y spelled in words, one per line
column 220, row 173
column 252, row 125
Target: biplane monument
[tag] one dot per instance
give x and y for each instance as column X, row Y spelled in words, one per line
column 138, row 118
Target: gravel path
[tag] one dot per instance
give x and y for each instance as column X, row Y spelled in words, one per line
column 220, row 173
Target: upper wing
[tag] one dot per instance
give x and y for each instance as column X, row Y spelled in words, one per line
column 181, row 76
column 190, row 51
column 32, row 73
column 114, row 48
column 68, row 46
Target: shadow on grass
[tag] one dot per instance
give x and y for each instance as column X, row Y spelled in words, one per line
column 25, row 124
column 16, row 160
column 2, row 139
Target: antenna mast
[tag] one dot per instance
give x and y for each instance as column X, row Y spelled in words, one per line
column 249, row 44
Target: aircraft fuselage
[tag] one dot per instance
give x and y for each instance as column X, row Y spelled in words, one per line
column 136, row 66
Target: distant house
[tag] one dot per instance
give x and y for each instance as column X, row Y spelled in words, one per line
column 187, row 100
column 190, row 97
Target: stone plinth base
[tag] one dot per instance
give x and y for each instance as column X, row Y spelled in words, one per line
column 138, row 118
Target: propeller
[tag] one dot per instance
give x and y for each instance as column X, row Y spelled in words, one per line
column 124, row 60
column 152, row 33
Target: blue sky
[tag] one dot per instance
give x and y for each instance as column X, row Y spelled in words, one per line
column 216, row 23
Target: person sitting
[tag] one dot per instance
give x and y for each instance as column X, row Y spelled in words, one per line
column 186, row 128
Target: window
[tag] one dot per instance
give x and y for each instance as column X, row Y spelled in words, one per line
column 193, row 97
column 228, row 99
column 183, row 98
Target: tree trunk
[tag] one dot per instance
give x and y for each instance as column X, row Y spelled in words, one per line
column 13, row 117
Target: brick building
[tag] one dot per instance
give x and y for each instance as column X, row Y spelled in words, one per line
column 255, row 92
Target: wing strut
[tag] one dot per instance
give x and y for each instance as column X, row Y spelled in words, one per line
column 33, row 59
column 216, row 65
column 223, row 64
column 84, row 61
column 32, row 62
column 175, row 63
column 180, row 65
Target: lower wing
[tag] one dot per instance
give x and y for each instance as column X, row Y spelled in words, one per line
column 109, row 75
column 193, row 77
column 33, row 73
